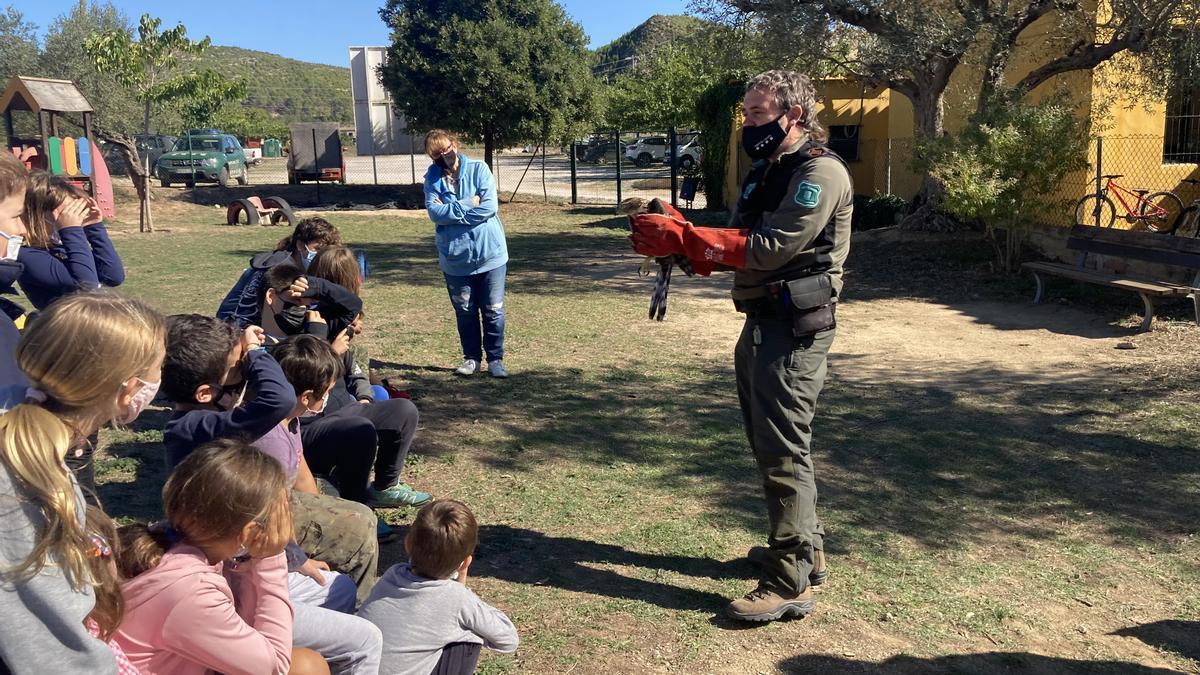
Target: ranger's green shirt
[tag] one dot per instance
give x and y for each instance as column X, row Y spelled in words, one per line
column 798, row 212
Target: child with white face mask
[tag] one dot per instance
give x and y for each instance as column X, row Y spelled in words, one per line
column 46, row 582
column 12, row 231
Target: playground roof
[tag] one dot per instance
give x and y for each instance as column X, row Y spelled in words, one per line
column 40, row 94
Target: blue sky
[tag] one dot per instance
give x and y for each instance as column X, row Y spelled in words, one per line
column 321, row 30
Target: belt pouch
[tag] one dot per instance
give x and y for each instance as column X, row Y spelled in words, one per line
column 812, row 304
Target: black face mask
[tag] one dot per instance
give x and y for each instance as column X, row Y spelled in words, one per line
column 447, row 161
column 762, row 141
column 292, row 319
column 228, row 396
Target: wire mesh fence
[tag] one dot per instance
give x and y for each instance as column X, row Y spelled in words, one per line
column 1127, row 170
column 602, row 168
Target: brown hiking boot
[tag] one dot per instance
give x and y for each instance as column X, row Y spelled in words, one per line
column 767, row 604
column 819, row 572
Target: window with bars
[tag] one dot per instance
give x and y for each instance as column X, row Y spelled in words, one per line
column 843, row 139
column 1181, row 131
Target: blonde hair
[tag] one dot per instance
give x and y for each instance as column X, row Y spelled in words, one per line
column 438, row 138
column 78, row 353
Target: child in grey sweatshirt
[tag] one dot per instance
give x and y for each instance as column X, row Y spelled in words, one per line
column 428, row 617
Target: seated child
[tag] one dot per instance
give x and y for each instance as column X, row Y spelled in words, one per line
column 208, row 369
column 377, row 433
column 338, row 264
column 46, row 589
column 207, row 590
column 66, row 244
column 240, row 305
column 12, row 234
column 430, row 620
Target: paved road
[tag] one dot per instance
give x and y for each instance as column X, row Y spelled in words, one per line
column 595, row 183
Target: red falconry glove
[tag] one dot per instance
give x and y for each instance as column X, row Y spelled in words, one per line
column 658, row 235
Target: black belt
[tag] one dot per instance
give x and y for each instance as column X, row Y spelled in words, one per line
column 754, row 308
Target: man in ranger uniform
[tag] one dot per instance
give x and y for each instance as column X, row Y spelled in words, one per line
column 787, row 242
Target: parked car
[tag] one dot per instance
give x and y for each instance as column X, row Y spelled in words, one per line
column 205, row 157
column 646, row 151
column 602, row 151
column 690, row 155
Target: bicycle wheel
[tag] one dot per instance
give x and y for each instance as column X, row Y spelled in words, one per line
column 1160, row 211
column 1095, row 209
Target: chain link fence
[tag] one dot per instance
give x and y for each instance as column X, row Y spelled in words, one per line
column 601, row 168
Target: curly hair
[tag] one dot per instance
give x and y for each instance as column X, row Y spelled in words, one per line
column 790, row 88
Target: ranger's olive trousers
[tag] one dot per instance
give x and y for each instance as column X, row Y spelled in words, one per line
column 779, row 377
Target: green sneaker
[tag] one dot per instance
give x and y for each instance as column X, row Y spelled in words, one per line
column 397, row 495
column 384, row 532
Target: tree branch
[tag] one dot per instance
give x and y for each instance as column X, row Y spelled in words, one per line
column 1085, row 57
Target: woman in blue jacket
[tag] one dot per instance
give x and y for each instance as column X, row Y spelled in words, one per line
column 460, row 197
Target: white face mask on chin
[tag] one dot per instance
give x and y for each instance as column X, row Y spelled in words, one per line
column 13, row 245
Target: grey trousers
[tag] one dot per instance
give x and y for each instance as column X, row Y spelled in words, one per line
column 325, row 623
column 779, row 377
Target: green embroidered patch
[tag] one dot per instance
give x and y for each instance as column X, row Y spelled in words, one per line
column 808, row 194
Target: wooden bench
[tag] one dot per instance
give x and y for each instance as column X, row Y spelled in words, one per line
column 1144, row 246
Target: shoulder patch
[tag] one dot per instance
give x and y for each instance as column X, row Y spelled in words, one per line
column 808, row 194
column 816, row 152
column 749, row 189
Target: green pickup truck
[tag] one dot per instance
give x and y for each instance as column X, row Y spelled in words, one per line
column 203, row 157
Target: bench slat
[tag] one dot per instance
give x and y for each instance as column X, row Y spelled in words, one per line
column 1137, row 285
column 1121, row 250
column 1154, row 241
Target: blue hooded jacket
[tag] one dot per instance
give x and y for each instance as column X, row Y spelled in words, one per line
column 470, row 239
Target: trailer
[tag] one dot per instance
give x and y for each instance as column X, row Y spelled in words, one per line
column 315, row 153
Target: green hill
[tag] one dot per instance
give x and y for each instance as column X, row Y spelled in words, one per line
column 642, row 40
column 291, row 90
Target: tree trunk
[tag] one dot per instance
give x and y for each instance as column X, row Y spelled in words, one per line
column 929, row 116
column 145, row 219
column 137, row 172
column 489, row 145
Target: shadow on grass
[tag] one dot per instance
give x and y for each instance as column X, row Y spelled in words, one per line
column 532, row 558
column 989, row 662
column 943, row 462
column 1180, row 637
column 528, row 557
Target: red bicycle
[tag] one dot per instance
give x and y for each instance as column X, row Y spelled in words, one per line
column 1158, row 211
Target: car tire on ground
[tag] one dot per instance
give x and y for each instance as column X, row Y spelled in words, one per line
column 223, row 177
column 237, row 208
column 189, row 184
column 243, row 177
column 284, row 214
column 162, row 182
column 643, row 160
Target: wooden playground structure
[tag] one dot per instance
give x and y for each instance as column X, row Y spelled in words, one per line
column 76, row 159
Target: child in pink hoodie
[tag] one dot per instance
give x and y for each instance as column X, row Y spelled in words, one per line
column 208, row 590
